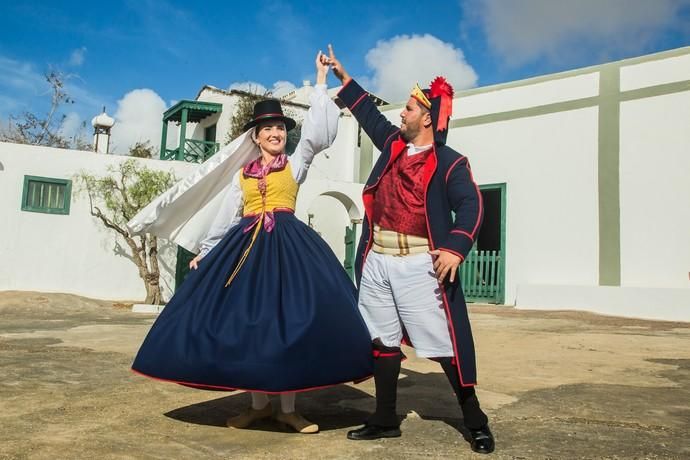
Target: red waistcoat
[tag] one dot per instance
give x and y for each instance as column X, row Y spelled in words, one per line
column 399, row 199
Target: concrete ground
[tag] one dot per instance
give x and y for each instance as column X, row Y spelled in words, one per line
column 555, row 385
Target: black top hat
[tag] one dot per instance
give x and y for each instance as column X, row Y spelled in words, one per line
column 269, row 109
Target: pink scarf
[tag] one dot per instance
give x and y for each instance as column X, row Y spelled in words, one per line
column 256, row 170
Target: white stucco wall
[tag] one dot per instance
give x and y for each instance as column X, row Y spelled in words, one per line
column 221, row 120
column 655, row 72
column 334, row 205
column 655, row 191
column 340, row 162
column 67, row 253
column 549, row 164
column 530, row 95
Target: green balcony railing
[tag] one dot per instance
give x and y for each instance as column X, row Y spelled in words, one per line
column 199, row 151
column 195, row 151
column 169, row 154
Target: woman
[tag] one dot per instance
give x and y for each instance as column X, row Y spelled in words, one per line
column 267, row 307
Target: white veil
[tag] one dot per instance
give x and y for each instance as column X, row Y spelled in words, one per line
column 184, row 213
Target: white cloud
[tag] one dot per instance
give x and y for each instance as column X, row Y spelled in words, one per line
column 279, row 88
column 404, row 60
column 20, row 76
column 73, row 126
column 8, row 105
column 558, row 30
column 139, row 118
column 77, row 57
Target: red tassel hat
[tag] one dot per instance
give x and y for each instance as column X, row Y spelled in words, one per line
column 438, row 98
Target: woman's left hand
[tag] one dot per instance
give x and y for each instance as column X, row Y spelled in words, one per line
column 322, row 67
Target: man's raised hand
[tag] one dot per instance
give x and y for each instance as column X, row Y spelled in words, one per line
column 338, row 69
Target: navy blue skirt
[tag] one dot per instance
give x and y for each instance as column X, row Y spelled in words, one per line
column 287, row 322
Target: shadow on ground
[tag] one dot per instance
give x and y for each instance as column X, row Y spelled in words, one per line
column 331, row 409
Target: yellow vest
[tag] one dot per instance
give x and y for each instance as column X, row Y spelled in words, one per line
column 281, row 192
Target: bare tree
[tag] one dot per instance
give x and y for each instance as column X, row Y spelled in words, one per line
column 142, row 150
column 32, row 129
column 116, row 198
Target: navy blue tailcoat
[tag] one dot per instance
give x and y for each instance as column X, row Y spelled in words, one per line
column 453, row 212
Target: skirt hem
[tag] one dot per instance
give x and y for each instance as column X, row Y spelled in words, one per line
column 202, row 386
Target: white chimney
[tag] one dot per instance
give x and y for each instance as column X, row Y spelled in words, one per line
column 101, row 132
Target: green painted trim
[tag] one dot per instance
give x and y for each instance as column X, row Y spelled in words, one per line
column 48, row 180
column 199, row 107
column 366, row 158
column 164, row 139
column 183, row 135
column 575, row 104
column 503, row 187
column 350, row 249
column 653, row 91
column 609, row 178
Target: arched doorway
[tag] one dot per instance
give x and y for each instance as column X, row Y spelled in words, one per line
column 335, row 216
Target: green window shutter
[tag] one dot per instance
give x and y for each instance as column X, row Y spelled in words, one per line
column 47, row 195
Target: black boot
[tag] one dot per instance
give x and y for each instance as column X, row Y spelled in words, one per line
column 384, row 422
column 474, row 418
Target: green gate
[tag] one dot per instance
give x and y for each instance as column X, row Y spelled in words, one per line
column 481, row 276
column 182, row 265
column 349, row 262
column 483, row 272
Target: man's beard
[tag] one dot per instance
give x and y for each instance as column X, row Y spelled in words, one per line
column 408, row 134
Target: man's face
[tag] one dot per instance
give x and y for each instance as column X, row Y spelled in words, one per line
column 414, row 119
column 271, row 137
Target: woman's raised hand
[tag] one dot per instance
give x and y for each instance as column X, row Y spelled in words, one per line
column 322, row 66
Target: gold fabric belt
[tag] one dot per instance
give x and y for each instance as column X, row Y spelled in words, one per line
column 398, row 244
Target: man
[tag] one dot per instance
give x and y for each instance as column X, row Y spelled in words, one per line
column 411, row 248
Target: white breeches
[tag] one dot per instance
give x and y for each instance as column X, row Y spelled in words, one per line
column 402, row 291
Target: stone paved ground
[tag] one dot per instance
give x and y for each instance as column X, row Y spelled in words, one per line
column 555, row 384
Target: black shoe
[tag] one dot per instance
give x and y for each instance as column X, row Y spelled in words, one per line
column 482, row 440
column 369, row 432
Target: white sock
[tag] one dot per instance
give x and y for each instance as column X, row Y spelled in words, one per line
column 259, row 400
column 287, row 402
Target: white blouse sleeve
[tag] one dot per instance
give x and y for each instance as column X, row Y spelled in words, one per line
column 232, row 204
column 318, row 132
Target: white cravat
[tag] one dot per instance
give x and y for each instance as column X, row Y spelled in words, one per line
column 414, row 150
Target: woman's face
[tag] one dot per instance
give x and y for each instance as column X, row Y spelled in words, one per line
column 271, row 137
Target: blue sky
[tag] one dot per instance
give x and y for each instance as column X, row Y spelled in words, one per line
column 137, row 57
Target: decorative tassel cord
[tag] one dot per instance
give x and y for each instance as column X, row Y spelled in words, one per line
column 259, row 225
